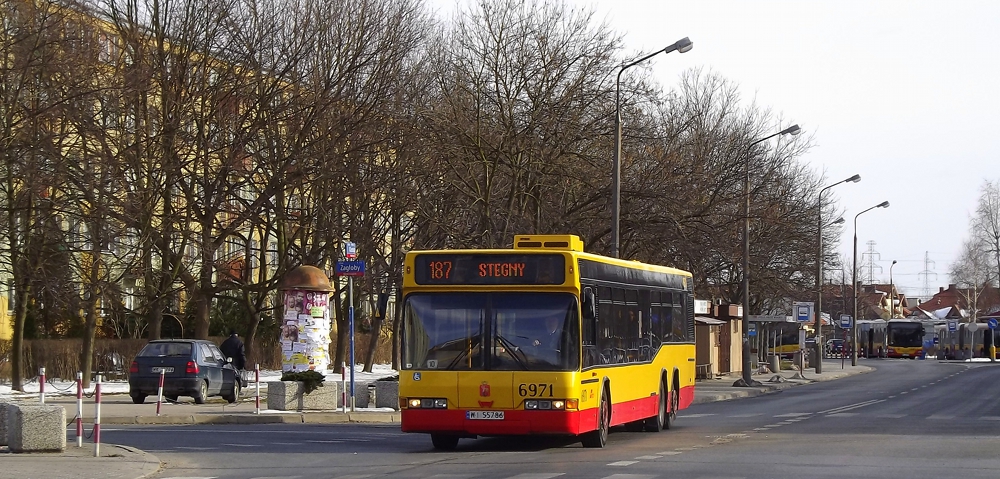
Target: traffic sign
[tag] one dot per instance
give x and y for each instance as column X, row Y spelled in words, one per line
column 350, row 250
column 992, row 322
column 953, row 326
column 753, row 330
column 846, row 321
column 803, row 311
column 350, row 268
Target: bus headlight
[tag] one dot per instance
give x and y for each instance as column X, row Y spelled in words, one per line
column 551, row 405
column 424, row 403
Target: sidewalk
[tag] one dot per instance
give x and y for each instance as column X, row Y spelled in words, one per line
column 129, row 463
column 722, row 389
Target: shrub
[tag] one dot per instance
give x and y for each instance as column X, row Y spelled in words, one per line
column 310, row 379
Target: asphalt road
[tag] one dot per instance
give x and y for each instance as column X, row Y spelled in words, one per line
column 908, row 419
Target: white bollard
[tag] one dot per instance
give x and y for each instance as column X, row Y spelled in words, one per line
column 159, row 393
column 79, row 409
column 41, row 385
column 343, row 384
column 97, row 417
column 256, row 379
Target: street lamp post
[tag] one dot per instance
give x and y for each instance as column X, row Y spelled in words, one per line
column 683, row 45
column 854, row 284
column 819, row 271
column 746, row 380
column 892, row 295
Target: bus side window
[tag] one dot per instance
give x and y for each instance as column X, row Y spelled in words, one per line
column 604, row 332
column 667, row 311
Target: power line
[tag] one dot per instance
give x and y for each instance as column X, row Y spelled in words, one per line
column 870, row 255
column 926, row 273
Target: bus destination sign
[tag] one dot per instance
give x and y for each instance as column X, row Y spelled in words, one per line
column 485, row 269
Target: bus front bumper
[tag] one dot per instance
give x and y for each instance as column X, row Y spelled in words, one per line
column 515, row 422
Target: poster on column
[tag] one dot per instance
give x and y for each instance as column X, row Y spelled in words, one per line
column 305, row 332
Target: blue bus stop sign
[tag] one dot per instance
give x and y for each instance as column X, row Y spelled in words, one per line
column 953, row 326
column 993, row 323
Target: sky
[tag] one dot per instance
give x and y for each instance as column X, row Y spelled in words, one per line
column 903, row 93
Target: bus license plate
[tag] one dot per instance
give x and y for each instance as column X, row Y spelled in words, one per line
column 159, row 369
column 488, row 415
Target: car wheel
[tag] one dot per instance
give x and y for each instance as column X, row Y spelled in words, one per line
column 138, row 398
column 202, row 394
column 235, row 395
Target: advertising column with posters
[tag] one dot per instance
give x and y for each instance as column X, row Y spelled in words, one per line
column 305, row 333
column 305, row 320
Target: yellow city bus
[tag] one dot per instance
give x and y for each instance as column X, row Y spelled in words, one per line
column 542, row 339
column 904, row 338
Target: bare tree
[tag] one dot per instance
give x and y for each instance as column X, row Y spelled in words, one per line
column 986, row 225
column 522, row 100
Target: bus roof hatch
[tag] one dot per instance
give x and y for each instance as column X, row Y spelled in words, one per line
column 555, row 242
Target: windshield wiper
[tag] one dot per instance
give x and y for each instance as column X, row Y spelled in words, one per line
column 513, row 351
column 473, row 342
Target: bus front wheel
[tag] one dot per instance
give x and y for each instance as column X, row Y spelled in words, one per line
column 444, row 442
column 599, row 437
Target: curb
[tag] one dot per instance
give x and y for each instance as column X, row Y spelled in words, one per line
column 294, row 418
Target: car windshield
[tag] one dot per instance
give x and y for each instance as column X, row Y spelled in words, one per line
column 491, row 331
column 166, row 349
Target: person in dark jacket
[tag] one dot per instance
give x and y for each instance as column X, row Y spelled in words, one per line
column 232, row 347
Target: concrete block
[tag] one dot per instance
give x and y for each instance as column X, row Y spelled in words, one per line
column 36, row 428
column 387, row 394
column 4, row 407
column 288, row 396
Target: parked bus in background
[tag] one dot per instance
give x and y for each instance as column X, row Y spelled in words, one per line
column 784, row 339
column 542, row 339
column 964, row 343
column 904, row 338
column 871, row 338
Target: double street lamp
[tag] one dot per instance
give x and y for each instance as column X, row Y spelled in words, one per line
column 683, row 45
column 819, row 271
column 746, row 380
column 854, row 284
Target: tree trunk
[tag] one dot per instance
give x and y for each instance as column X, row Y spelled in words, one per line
column 17, row 348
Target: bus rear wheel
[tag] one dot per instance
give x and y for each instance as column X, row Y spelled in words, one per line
column 656, row 423
column 675, row 401
column 444, row 442
column 599, row 437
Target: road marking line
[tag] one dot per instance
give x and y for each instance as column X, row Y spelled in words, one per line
column 842, row 414
column 698, row 415
column 852, row 406
column 795, row 414
column 647, row 458
column 622, row 463
column 531, row 475
column 669, row 453
column 990, row 418
column 240, row 445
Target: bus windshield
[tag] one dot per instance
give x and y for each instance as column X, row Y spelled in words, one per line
column 491, row 331
column 906, row 334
